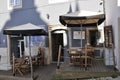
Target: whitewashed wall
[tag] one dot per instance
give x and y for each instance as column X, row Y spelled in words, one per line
column 112, row 14
column 42, row 8
column 4, row 60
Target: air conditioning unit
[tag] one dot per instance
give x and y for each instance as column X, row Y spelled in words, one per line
column 98, row 53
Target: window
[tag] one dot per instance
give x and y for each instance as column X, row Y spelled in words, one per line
column 108, row 32
column 93, row 37
column 13, row 4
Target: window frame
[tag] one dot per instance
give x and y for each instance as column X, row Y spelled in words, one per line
column 14, row 4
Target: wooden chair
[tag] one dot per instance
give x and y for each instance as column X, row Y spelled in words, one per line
column 21, row 66
column 40, row 56
column 74, row 55
column 90, row 51
column 86, row 63
column 86, row 59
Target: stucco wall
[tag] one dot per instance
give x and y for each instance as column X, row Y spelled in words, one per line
column 40, row 12
column 118, row 23
column 4, row 60
column 112, row 14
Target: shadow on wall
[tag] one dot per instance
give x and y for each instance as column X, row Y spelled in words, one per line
column 26, row 14
column 77, row 7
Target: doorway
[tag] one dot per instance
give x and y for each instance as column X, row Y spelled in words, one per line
column 93, row 37
column 21, row 47
column 57, row 39
column 17, row 46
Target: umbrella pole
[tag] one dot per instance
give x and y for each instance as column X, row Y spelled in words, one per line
column 30, row 57
column 13, row 64
column 81, row 35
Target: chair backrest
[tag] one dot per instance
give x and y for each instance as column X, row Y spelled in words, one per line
column 20, row 61
column 72, row 51
column 89, row 50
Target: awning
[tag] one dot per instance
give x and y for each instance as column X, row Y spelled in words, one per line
column 84, row 18
column 25, row 30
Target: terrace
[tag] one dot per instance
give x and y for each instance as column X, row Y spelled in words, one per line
column 66, row 71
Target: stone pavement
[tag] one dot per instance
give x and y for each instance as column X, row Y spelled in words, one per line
column 106, row 78
column 6, row 77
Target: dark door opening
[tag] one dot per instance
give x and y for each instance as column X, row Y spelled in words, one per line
column 17, row 46
column 57, row 39
column 93, row 37
column 21, row 47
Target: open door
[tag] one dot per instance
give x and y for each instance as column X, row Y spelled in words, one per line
column 57, row 39
column 17, row 46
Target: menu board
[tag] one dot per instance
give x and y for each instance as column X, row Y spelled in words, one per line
column 78, row 35
column 108, row 34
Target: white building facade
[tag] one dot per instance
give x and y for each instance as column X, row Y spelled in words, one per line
column 46, row 13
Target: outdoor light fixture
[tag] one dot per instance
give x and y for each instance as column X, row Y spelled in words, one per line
column 48, row 16
column 101, row 3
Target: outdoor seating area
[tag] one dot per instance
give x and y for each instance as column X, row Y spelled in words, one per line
column 81, row 56
column 74, row 67
column 22, row 65
column 97, row 66
column 40, row 73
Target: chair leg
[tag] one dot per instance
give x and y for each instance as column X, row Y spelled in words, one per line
column 18, row 69
column 20, row 72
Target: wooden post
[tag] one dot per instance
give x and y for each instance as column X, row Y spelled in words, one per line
column 13, row 62
column 85, row 56
column 59, row 54
column 30, row 58
column 113, row 57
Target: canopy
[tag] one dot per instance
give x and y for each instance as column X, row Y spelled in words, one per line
column 84, row 18
column 25, row 30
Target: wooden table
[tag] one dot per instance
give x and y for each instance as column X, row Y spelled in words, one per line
column 80, row 57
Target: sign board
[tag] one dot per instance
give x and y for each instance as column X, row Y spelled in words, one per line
column 79, row 35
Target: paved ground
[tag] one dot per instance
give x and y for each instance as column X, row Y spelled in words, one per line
column 97, row 66
column 106, row 78
column 46, row 72
column 40, row 73
column 7, row 77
